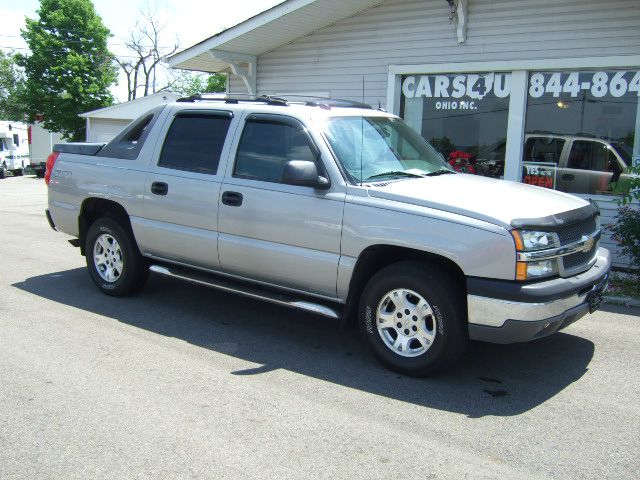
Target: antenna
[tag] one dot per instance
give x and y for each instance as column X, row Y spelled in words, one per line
column 361, row 134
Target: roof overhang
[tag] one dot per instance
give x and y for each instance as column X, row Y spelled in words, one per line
column 133, row 108
column 238, row 47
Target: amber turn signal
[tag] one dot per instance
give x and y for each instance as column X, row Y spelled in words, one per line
column 518, row 239
column 521, row 271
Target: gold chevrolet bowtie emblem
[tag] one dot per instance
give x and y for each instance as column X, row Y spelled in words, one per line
column 588, row 244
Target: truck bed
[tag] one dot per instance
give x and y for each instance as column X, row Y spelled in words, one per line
column 78, row 148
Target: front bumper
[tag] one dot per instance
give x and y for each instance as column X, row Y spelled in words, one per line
column 509, row 312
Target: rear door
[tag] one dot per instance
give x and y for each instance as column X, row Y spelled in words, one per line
column 590, row 168
column 281, row 234
column 183, row 186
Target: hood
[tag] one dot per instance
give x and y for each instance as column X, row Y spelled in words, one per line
column 482, row 198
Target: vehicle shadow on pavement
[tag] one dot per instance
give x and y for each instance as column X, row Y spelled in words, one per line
column 499, row 380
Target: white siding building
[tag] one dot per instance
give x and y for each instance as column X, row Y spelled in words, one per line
column 105, row 123
column 544, row 91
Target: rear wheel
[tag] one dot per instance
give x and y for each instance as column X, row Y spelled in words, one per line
column 3, row 172
column 113, row 259
column 412, row 317
column 18, row 172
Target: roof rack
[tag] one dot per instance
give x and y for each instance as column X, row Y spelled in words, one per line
column 273, row 100
column 325, row 102
column 213, row 97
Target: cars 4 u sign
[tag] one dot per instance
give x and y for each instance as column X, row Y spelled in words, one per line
column 463, row 91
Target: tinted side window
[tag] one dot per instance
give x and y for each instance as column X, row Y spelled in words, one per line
column 265, row 147
column 129, row 142
column 587, row 155
column 194, row 143
column 543, row 149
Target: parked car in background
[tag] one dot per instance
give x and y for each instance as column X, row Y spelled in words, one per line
column 575, row 163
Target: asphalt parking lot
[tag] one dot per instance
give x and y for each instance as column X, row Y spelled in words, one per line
column 185, row 382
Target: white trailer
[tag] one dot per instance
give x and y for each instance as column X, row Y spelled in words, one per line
column 14, row 148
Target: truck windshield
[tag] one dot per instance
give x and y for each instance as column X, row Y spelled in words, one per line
column 381, row 148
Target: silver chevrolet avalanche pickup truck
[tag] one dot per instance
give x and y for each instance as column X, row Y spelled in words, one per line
column 333, row 208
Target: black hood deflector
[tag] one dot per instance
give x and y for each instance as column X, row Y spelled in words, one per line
column 558, row 221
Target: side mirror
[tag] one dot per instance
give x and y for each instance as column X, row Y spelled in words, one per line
column 305, row 174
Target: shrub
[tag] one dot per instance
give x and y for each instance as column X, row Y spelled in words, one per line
column 626, row 232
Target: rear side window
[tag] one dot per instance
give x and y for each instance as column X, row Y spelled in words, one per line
column 588, row 155
column 129, row 142
column 194, row 142
column 266, row 146
column 543, row 149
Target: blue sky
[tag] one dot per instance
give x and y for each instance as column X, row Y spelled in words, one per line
column 190, row 21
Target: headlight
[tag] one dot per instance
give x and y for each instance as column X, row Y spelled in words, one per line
column 543, row 268
column 538, row 240
column 531, row 241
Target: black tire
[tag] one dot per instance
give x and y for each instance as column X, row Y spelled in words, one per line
column 445, row 320
column 3, row 172
column 134, row 268
column 18, row 172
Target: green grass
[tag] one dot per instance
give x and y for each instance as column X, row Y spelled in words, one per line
column 624, row 285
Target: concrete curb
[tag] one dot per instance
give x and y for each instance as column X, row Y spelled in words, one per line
column 626, row 301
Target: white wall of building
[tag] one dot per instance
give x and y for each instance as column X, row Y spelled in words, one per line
column 337, row 57
column 102, row 130
column 104, row 124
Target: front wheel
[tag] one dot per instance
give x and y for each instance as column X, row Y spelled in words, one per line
column 113, row 259
column 3, row 172
column 412, row 317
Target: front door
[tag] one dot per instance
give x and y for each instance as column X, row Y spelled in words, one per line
column 281, row 234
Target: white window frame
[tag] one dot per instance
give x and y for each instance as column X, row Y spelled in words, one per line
column 519, row 70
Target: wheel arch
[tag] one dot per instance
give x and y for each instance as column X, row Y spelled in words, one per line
column 376, row 257
column 93, row 208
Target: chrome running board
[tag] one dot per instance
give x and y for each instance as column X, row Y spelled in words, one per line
column 251, row 291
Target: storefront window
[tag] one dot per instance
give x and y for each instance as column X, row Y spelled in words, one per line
column 464, row 116
column 581, row 128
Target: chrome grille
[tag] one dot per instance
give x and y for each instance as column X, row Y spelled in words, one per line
column 576, row 260
column 573, row 233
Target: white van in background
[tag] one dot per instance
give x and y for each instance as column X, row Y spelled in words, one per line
column 14, row 148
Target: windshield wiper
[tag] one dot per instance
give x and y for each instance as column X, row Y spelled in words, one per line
column 394, row 173
column 442, row 171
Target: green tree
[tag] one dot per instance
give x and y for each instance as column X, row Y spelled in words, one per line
column 11, row 88
column 186, row 83
column 216, row 83
column 69, row 69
